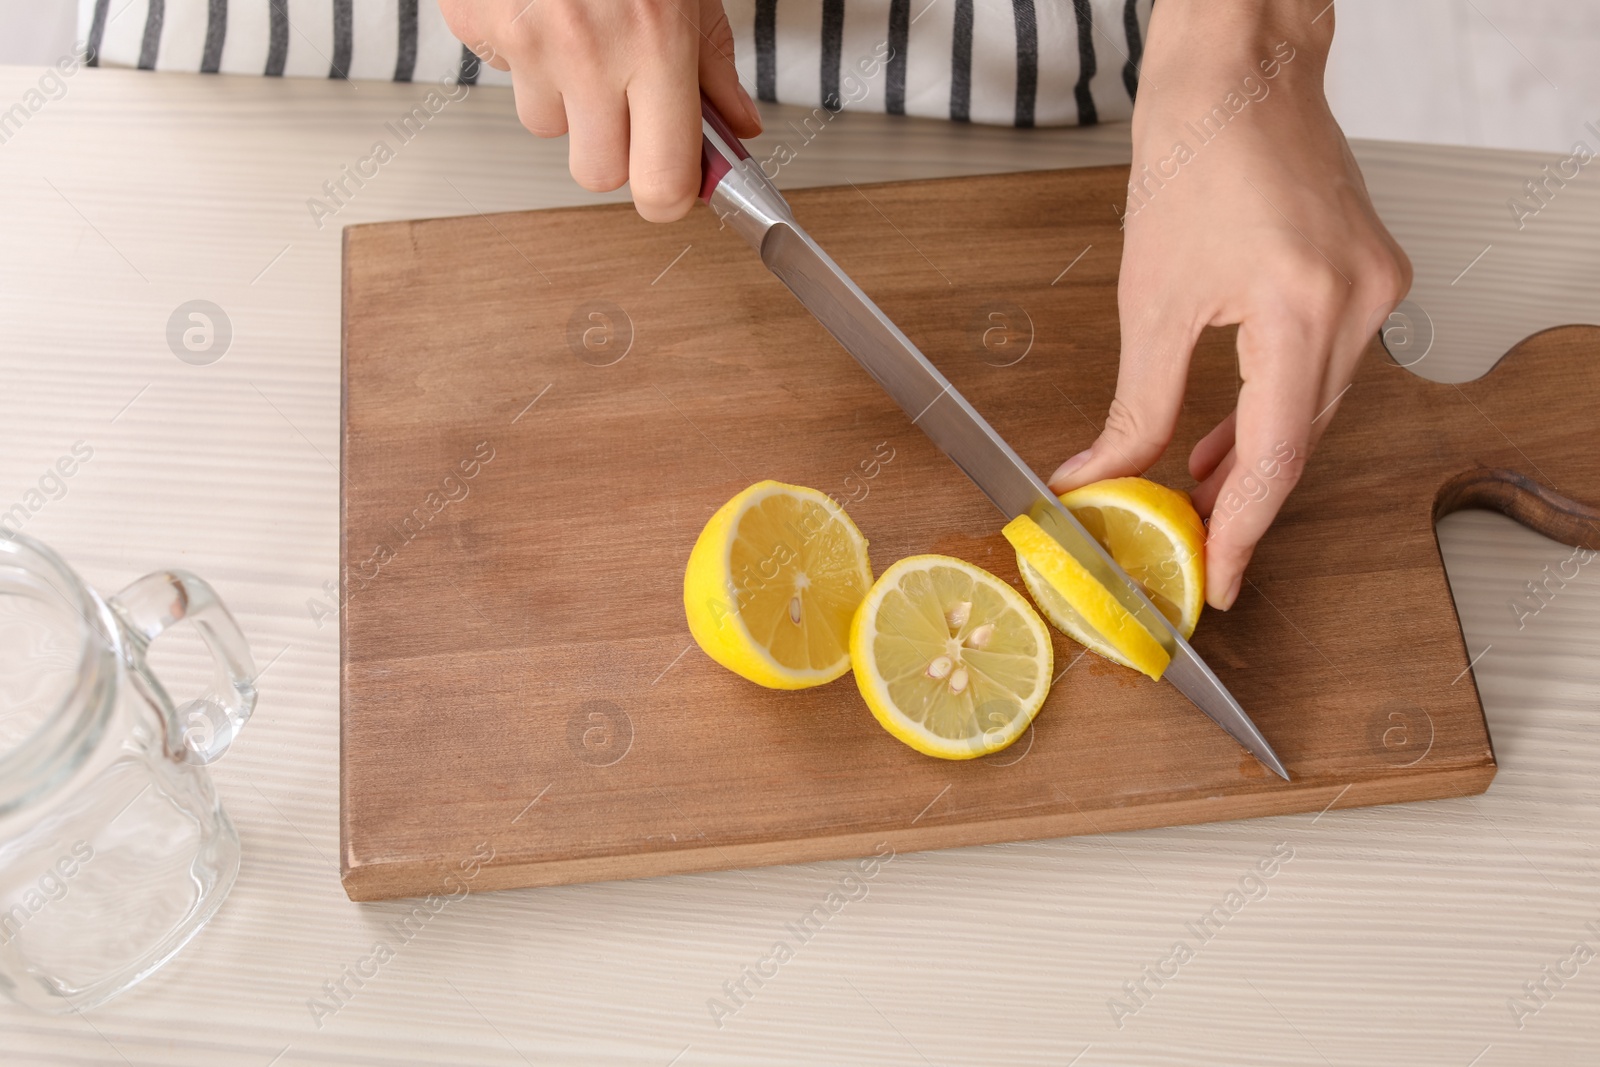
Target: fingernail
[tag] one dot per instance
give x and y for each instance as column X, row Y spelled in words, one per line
column 1071, row 465
column 1233, row 593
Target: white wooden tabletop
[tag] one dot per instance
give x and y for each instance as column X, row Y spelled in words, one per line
column 1393, row 935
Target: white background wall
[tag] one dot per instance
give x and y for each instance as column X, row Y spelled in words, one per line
column 1499, row 73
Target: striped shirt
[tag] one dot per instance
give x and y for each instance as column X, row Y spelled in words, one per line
column 1006, row 62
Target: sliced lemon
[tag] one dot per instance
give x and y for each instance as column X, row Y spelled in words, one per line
column 1092, row 615
column 951, row 660
column 1154, row 534
column 772, row 584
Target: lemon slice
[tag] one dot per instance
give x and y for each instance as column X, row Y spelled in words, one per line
column 1084, row 609
column 951, row 660
column 1154, row 534
column 772, row 584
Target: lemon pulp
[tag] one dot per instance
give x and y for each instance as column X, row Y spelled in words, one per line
column 1156, row 536
column 772, row 584
column 950, row 659
column 1105, row 621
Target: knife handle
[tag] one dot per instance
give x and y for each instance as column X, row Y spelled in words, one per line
column 714, row 162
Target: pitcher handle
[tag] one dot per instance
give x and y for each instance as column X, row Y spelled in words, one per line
column 200, row 730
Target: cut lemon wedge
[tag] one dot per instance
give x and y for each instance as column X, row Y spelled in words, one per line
column 1084, row 609
column 951, row 660
column 772, row 584
column 1154, row 534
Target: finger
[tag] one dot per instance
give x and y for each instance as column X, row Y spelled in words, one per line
column 718, row 77
column 1339, row 376
column 539, row 106
column 1345, row 359
column 1281, row 362
column 1350, row 346
column 1212, row 448
column 1204, row 495
column 1151, row 375
column 664, row 156
column 1336, row 384
column 597, row 147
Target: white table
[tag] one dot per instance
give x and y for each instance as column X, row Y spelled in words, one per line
column 1394, row 935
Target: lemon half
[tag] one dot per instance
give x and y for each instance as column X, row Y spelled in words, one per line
column 951, row 660
column 1085, row 605
column 772, row 584
column 1156, row 536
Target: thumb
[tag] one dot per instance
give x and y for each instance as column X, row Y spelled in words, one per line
column 718, row 76
column 1151, row 376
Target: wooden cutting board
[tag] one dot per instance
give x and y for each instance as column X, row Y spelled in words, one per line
column 542, row 409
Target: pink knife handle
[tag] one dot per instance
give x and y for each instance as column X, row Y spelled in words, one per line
column 713, row 164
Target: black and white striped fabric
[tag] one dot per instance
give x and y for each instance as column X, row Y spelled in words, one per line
column 1007, row 62
column 398, row 40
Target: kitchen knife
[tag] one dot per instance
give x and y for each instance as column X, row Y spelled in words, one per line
column 746, row 200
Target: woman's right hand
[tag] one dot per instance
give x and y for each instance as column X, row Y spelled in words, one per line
column 623, row 78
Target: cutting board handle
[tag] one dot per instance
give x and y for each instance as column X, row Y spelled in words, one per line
column 1521, row 498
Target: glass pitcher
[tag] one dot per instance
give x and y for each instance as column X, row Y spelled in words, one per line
column 114, row 850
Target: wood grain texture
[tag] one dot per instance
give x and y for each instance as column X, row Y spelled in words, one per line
column 545, row 605
column 1395, row 936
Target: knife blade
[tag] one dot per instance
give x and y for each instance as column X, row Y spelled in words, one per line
column 747, row 201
